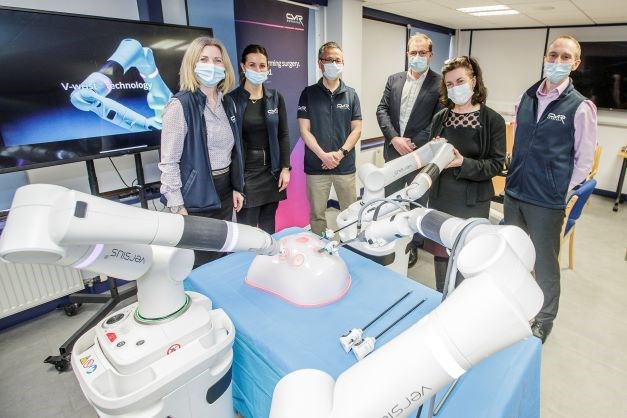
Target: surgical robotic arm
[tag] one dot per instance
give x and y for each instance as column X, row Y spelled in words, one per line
column 486, row 313
column 168, row 354
column 53, row 225
column 92, row 93
column 430, row 160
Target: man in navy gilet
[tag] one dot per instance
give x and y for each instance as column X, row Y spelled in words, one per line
column 553, row 152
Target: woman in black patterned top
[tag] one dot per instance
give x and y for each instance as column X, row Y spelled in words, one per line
column 464, row 189
column 262, row 118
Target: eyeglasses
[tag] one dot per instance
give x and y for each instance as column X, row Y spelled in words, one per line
column 421, row 53
column 332, row 60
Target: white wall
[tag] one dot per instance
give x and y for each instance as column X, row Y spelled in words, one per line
column 519, row 68
column 463, row 43
column 511, row 61
column 384, row 45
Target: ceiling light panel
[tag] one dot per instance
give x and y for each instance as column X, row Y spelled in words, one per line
column 496, row 13
column 483, row 8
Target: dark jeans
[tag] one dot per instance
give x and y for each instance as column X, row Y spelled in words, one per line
column 224, row 189
column 544, row 227
column 262, row 216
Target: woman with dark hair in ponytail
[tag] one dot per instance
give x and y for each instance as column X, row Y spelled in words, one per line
column 477, row 133
column 262, row 118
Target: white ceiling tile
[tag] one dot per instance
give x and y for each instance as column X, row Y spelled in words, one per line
column 458, row 4
column 532, row 12
column 511, row 21
column 564, row 21
column 618, row 6
column 425, row 7
column 376, row 3
column 554, row 7
column 610, row 20
column 518, row 3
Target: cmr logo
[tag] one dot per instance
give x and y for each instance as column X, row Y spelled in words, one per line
column 558, row 118
column 407, row 403
column 343, row 106
column 294, row 19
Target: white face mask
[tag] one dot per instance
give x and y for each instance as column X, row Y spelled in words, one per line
column 460, row 95
column 333, row 71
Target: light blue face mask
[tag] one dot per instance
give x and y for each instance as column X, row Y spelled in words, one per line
column 333, row 71
column 460, row 95
column 556, row 72
column 256, row 78
column 209, row 74
column 418, row 64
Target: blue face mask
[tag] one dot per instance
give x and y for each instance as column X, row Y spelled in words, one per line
column 418, row 64
column 256, row 78
column 556, row 72
column 209, row 75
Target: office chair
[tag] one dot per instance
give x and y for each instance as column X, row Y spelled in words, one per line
column 595, row 162
column 573, row 211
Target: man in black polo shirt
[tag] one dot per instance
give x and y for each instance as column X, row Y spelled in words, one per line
column 329, row 118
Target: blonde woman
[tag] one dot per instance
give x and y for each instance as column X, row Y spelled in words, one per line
column 201, row 158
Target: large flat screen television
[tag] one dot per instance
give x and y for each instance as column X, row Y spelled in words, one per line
column 602, row 75
column 74, row 88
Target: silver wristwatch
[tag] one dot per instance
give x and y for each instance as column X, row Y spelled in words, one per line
column 176, row 209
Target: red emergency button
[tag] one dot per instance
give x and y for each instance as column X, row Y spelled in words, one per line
column 111, row 336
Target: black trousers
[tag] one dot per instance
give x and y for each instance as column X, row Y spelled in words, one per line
column 224, row 189
column 544, row 227
column 262, row 216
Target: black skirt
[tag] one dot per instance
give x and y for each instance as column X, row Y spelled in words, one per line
column 261, row 186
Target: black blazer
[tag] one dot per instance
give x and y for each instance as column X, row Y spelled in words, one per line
column 477, row 173
column 389, row 110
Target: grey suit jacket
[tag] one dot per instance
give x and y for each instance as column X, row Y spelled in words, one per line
column 419, row 123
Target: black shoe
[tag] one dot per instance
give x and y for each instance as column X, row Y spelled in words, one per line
column 540, row 331
column 413, row 257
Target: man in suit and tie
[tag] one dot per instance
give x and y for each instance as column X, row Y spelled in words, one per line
column 409, row 101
